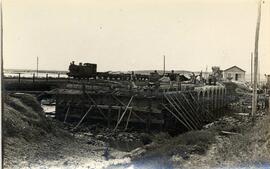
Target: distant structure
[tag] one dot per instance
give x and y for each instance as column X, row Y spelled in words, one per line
column 234, row 73
column 267, row 81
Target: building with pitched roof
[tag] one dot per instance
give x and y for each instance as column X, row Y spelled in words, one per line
column 234, row 73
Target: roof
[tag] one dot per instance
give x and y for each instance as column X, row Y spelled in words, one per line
column 234, row 67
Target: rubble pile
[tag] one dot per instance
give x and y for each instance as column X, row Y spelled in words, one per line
column 250, row 147
column 223, row 122
column 122, row 140
column 233, row 124
column 108, row 135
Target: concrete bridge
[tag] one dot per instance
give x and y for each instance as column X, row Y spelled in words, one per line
column 170, row 110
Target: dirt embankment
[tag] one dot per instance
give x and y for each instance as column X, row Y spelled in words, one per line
column 23, row 118
column 25, row 129
column 33, row 141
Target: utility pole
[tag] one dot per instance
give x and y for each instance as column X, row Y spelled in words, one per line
column 163, row 65
column 206, row 73
column 254, row 97
column 37, row 66
column 2, row 81
column 251, row 81
column 259, row 73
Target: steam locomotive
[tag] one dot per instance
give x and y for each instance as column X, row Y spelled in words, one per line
column 89, row 70
column 82, row 71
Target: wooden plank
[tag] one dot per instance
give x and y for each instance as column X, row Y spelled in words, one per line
column 192, row 109
column 83, row 117
column 112, row 107
column 67, row 113
column 182, row 116
column 187, row 114
column 130, row 112
column 188, row 127
column 229, row 133
column 135, row 114
column 109, row 116
column 93, row 101
column 119, row 121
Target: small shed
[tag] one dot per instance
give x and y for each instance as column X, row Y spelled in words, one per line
column 234, row 73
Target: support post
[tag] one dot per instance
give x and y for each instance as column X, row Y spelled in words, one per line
column 119, row 121
column 37, row 66
column 182, row 122
column 164, row 65
column 192, row 108
column 93, row 101
column 83, row 117
column 33, row 77
column 148, row 121
column 183, row 116
column 251, row 81
column 119, row 113
column 66, row 115
column 179, row 86
column 109, row 116
column 254, row 97
column 19, row 77
column 130, row 112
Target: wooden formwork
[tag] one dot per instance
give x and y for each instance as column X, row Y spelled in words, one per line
column 116, row 111
column 183, row 110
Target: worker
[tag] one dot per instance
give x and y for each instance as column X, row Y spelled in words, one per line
column 106, row 152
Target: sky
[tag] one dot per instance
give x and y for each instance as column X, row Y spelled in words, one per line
column 123, row 35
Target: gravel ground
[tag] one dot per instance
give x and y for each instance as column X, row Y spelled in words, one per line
column 53, row 152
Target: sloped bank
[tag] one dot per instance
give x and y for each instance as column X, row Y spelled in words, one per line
column 246, row 147
column 30, row 140
column 23, row 118
column 232, row 141
column 25, row 128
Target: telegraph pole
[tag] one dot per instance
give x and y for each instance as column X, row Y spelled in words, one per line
column 259, row 73
column 163, row 65
column 251, row 81
column 206, row 73
column 37, row 66
column 254, row 97
column 2, row 83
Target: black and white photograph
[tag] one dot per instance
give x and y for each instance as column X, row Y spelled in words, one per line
column 135, row 84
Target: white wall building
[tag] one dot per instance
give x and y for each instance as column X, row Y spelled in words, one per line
column 234, row 73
